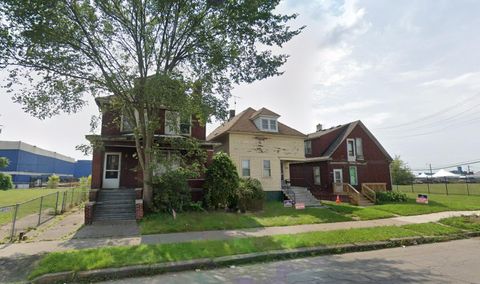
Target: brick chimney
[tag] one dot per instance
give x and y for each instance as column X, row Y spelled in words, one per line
column 231, row 114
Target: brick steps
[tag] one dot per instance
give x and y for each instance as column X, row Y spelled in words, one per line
column 115, row 204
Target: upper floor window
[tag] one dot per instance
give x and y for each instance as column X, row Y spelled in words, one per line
column 176, row 125
column 351, row 149
column 359, row 148
column 269, row 124
column 355, row 149
column 308, row 147
column 126, row 125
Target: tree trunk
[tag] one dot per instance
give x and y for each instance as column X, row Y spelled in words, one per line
column 147, row 189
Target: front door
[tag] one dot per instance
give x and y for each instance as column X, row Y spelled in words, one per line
column 338, row 181
column 111, row 170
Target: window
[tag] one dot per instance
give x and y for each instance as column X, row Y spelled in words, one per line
column 126, row 125
column 353, row 175
column 308, row 147
column 351, row 149
column 273, row 124
column 316, row 176
column 267, row 171
column 246, row 168
column 185, row 126
column 176, row 125
column 266, row 124
column 359, row 148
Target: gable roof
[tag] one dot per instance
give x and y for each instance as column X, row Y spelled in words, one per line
column 243, row 122
column 343, row 132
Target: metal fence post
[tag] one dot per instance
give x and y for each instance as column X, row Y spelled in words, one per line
column 56, row 203
column 63, row 201
column 412, row 188
column 73, row 193
column 468, row 190
column 446, row 186
column 40, row 212
column 13, row 221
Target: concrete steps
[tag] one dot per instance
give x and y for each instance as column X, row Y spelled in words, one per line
column 115, row 204
column 302, row 195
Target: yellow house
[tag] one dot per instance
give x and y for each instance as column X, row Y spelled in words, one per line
column 261, row 147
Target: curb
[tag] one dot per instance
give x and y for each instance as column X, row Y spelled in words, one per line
column 207, row 263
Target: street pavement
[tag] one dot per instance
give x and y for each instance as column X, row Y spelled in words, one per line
column 449, row 262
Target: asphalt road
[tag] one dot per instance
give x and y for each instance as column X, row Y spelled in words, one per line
column 450, row 262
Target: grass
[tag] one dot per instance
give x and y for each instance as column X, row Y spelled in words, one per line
column 470, row 223
column 356, row 212
column 274, row 214
column 439, row 188
column 30, row 206
column 81, row 260
column 436, row 203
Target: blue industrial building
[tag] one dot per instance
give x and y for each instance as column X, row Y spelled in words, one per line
column 30, row 165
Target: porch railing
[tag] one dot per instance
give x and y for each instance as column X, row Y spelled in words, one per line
column 376, row 186
column 353, row 194
column 369, row 193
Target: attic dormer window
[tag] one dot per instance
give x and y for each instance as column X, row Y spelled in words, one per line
column 269, row 124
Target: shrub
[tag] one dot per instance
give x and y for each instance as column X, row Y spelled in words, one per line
column 221, row 182
column 86, row 182
column 53, row 181
column 250, row 195
column 391, row 196
column 4, row 162
column 171, row 191
column 5, row 181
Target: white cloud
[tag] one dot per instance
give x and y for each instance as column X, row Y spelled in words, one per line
column 471, row 80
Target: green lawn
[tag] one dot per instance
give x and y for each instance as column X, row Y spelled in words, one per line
column 274, row 214
column 439, row 188
column 30, row 206
column 470, row 223
column 437, row 203
column 81, row 260
column 356, row 212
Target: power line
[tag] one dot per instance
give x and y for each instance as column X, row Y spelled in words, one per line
column 440, row 112
column 466, row 163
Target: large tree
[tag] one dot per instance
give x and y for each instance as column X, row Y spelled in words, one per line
column 401, row 173
column 181, row 54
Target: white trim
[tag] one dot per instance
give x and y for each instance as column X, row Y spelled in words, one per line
column 105, row 168
column 354, row 157
column 19, row 145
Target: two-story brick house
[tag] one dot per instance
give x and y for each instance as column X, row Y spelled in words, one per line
column 115, row 164
column 348, row 154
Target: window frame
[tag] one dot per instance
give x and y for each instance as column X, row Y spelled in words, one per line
column 354, row 156
column 267, row 169
column 359, row 148
column 315, row 175
column 246, row 168
column 309, row 143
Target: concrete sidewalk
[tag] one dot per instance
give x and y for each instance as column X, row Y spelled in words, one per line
column 22, row 249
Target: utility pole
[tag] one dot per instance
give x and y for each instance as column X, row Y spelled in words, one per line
column 466, row 178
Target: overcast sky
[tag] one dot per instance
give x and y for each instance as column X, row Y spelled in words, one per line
column 408, row 69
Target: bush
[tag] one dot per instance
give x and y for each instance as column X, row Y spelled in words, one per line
column 86, row 182
column 391, row 196
column 250, row 195
column 5, row 181
column 221, row 182
column 53, row 181
column 171, row 191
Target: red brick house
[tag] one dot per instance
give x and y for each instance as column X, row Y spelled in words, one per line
column 342, row 160
column 114, row 164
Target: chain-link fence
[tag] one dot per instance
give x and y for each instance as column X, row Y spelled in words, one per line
column 20, row 218
column 465, row 188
